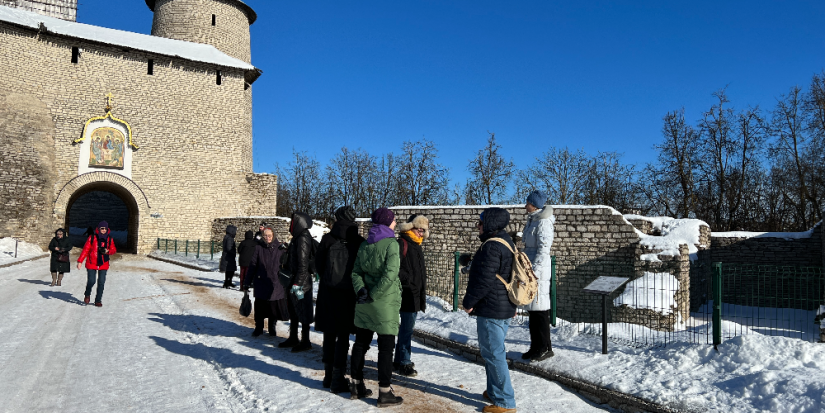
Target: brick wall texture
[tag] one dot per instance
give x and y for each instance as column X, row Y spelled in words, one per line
column 191, row 20
column 195, row 158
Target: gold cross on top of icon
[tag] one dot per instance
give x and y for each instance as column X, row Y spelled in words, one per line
column 109, row 100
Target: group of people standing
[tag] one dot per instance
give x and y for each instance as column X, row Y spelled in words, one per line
column 97, row 249
column 377, row 286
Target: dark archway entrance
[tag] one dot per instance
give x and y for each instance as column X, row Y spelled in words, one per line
column 104, row 201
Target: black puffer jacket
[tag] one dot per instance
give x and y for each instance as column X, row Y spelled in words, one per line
column 413, row 275
column 300, row 250
column 486, row 295
column 247, row 248
column 335, row 308
column 263, row 271
column 229, row 250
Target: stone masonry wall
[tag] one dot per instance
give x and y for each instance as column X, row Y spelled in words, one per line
column 26, row 166
column 195, row 137
column 279, row 225
column 61, row 9
column 191, row 20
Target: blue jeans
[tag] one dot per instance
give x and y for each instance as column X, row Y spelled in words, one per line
column 403, row 349
column 491, row 333
column 90, row 282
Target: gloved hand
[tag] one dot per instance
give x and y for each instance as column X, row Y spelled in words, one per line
column 363, row 296
column 298, row 291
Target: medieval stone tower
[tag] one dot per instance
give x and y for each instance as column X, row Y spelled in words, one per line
column 221, row 23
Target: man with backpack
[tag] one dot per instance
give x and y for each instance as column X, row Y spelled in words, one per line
column 301, row 265
column 487, row 298
column 335, row 306
column 413, row 276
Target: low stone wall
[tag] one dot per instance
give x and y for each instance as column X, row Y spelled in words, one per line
column 279, row 225
column 768, row 251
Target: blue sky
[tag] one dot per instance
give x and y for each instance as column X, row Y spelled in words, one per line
column 596, row 75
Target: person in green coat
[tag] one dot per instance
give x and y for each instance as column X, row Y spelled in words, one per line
column 377, row 309
column 59, row 246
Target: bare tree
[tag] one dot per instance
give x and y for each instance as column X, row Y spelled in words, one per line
column 560, row 172
column 420, row 179
column 670, row 187
column 490, row 175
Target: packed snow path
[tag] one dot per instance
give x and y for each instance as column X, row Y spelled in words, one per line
column 170, row 339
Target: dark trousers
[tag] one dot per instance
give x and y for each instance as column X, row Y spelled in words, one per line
column 539, row 330
column 90, row 282
column 243, row 275
column 294, row 320
column 227, row 281
column 336, row 347
column 263, row 310
column 386, row 343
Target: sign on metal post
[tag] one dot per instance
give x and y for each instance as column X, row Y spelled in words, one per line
column 604, row 286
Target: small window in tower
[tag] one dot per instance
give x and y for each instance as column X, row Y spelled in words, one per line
column 151, row 69
column 218, row 79
column 214, row 19
column 75, row 54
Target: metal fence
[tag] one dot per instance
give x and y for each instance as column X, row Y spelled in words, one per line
column 196, row 248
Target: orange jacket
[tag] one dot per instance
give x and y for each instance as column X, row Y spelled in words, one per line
column 90, row 252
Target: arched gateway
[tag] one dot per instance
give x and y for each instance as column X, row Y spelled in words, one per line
column 96, row 196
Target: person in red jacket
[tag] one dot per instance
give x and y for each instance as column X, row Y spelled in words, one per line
column 96, row 252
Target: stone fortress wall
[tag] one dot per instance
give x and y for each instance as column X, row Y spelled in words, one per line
column 61, row 9
column 191, row 20
column 195, row 137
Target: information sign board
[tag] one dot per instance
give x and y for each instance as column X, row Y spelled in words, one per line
column 605, row 285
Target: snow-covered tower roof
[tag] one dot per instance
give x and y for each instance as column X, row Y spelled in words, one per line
column 61, row 9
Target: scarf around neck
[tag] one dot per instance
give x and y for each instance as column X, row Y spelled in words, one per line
column 414, row 237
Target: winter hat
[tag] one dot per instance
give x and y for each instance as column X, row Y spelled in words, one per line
column 103, row 224
column 60, row 230
column 263, row 224
column 383, row 216
column 248, row 235
column 537, row 199
column 345, row 213
column 416, row 221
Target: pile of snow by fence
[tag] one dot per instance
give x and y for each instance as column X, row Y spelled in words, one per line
column 674, row 232
column 25, row 250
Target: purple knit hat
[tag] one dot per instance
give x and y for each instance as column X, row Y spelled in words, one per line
column 103, row 224
column 383, row 216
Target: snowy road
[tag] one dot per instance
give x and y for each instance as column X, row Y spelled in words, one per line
column 169, row 339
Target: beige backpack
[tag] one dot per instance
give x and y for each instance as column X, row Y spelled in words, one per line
column 523, row 286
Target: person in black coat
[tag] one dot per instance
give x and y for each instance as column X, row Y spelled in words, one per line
column 487, row 299
column 335, row 306
column 300, row 253
column 227, row 264
column 262, row 276
column 59, row 247
column 413, row 276
column 245, row 251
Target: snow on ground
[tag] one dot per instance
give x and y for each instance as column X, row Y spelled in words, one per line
column 24, row 251
column 750, row 373
column 170, row 339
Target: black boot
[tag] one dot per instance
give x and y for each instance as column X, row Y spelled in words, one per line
column 290, row 342
column 358, row 390
column 388, row 398
column 327, row 375
column 339, row 383
column 257, row 331
column 543, row 355
column 272, row 324
column 305, row 343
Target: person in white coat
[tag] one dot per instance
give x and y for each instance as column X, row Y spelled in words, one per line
column 538, row 238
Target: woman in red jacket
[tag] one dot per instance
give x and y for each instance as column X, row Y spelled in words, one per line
column 96, row 252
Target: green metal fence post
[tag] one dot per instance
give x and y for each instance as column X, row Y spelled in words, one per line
column 186, row 254
column 456, row 277
column 211, row 250
column 198, row 254
column 176, row 247
column 166, row 249
column 553, row 290
column 158, row 244
column 716, row 288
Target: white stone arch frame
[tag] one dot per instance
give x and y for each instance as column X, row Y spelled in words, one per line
column 120, row 185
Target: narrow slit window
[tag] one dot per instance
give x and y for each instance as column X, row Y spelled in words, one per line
column 218, row 78
column 151, row 69
column 214, row 19
column 75, row 54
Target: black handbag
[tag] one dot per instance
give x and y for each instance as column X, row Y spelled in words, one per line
column 246, row 305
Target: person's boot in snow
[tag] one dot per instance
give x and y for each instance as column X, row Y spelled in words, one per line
column 546, row 354
column 305, row 344
column 407, row 370
column 387, row 398
column 529, row 354
column 292, row 341
column 86, row 299
column 54, row 279
column 59, row 280
column 339, row 383
column 327, row 375
column 495, row 409
column 272, row 331
column 257, row 331
column 358, row 390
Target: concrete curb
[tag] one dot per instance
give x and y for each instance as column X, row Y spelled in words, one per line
column 11, row 264
column 593, row 392
column 185, row 265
